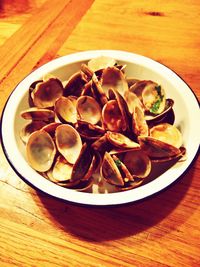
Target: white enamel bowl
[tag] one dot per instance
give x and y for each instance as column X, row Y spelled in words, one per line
column 186, row 110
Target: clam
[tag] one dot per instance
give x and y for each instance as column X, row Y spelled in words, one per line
column 155, row 148
column 75, row 84
column 139, row 124
column 51, row 128
column 132, row 101
column 88, row 109
column 68, row 142
column 40, row 151
column 138, row 87
column 30, row 128
column 65, row 110
column 61, row 171
column 111, row 116
column 82, row 164
column 114, row 78
column 121, row 141
column 167, row 133
column 138, row 163
column 89, row 131
column 40, row 114
column 98, row 91
column 110, row 171
column 125, row 115
column 101, row 62
column 46, row 92
column 153, row 98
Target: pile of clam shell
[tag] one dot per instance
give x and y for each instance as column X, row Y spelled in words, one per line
column 101, row 122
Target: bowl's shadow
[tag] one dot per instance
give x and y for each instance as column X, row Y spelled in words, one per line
column 108, row 223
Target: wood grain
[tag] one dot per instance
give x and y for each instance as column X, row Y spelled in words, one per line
column 37, row 230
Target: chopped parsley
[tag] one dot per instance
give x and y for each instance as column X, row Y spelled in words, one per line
column 156, row 105
column 118, row 162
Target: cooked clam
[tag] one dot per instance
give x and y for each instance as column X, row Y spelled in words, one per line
column 111, row 116
column 155, row 148
column 132, row 101
column 88, row 109
column 110, row 172
column 46, row 92
column 89, row 131
column 138, row 163
column 75, row 84
column 101, row 62
column 40, row 151
column 68, row 142
column 40, row 114
column 30, row 128
column 114, row 78
column 121, row 141
column 167, row 133
column 65, row 110
column 139, row 124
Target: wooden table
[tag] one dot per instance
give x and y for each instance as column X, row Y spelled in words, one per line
column 36, row 230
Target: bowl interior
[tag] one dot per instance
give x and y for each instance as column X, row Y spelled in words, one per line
column 136, row 66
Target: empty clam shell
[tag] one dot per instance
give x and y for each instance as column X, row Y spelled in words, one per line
column 121, row 141
column 89, row 131
column 51, row 128
column 40, row 151
column 132, row 101
column 45, row 93
column 110, row 172
column 82, row 164
column 61, row 170
column 101, row 62
column 138, row 163
column 65, row 110
column 40, row 114
column 68, row 142
column 111, row 116
column 88, row 109
column 114, row 78
column 75, row 84
column 139, row 124
column 167, row 133
column 30, row 128
column 155, row 148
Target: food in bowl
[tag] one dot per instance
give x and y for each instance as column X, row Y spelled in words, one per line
column 99, row 128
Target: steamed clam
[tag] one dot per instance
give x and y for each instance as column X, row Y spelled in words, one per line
column 99, row 123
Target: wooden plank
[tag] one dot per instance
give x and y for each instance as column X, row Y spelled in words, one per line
column 28, row 35
column 46, row 47
column 165, row 33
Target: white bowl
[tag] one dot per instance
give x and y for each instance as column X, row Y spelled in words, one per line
column 186, row 110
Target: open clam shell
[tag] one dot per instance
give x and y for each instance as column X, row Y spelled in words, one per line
column 121, row 141
column 83, row 164
column 45, row 93
column 65, row 110
column 68, row 142
column 139, row 124
column 75, row 84
column 40, row 151
column 132, row 101
column 110, row 172
column 155, row 148
column 40, row 114
column 101, row 62
column 167, row 133
column 138, row 163
column 88, row 109
column 89, row 131
column 111, row 116
column 30, row 128
column 114, row 78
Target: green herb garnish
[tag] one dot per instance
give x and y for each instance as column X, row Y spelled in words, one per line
column 118, row 162
column 156, row 105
